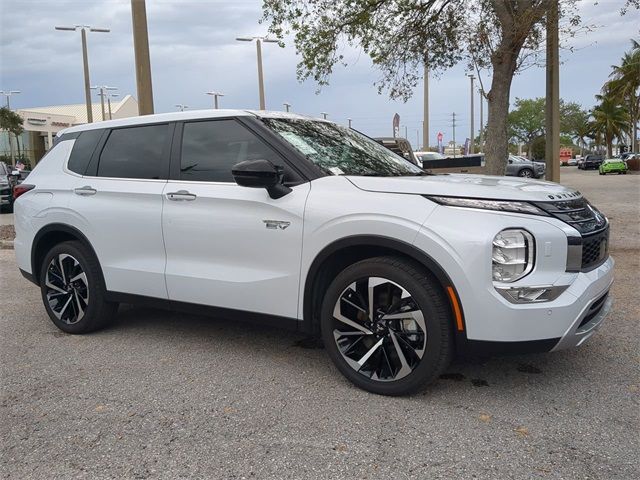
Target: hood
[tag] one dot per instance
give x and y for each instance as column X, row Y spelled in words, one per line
column 473, row 186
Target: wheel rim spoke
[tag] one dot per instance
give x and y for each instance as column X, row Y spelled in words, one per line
column 67, row 288
column 386, row 340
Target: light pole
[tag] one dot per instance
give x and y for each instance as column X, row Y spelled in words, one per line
column 259, row 41
column 349, row 122
column 85, row 61
column 481, row 146
column 109, row 97
column 287, row 106
column 471, row 129
column 215, row 96
column 141, row 52
column 181, row 107
column 7, row 94
column 324, row 115
column 102, row 93
column 425, row 122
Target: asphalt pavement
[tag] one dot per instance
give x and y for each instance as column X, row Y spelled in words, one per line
column 169, row 396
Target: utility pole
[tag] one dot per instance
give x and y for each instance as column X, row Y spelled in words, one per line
column 143, row 61
column 417, row 138
column 287, row 106
column 259, row 41
column 215, row 96
column 406, row 132
column 349, row 122
column 109, row 97
column 7, row 95
column 552, row 106
column 425, row 122
column 471, row 128
column 102, row 92
column 481, row 146
column 85, row 62
column 324, row 115
column 453, row 126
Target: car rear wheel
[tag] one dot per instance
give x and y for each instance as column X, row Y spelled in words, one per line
column 525, row 172
column 73, row 289
column 386, row 325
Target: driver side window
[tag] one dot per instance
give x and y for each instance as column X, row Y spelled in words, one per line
column 210, row 149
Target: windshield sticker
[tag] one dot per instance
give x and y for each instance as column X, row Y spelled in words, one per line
column 299, row 143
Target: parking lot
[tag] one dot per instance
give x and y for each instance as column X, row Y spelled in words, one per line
column 168, row 395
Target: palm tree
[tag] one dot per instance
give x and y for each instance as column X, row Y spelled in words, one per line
column 610, row 120
column 625, row 86
column 581, row 131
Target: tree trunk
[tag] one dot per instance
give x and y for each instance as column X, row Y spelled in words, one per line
column 497, row 141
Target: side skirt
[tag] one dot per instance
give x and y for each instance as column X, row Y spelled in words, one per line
column 286, row 323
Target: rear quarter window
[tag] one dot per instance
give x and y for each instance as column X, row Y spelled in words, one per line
column 83, row 149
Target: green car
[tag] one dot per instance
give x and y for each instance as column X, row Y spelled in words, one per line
column 613, row 165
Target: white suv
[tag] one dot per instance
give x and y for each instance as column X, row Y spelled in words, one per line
column 300, row 222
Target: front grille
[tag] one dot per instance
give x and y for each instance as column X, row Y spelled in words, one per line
column 595, row 249
column 592, row 225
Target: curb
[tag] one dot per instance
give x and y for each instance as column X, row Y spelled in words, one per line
column 6, row 244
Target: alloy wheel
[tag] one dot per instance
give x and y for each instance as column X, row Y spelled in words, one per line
column 67, row 288
column 526, row 173
column 379, row 329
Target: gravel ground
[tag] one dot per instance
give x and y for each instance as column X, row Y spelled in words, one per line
column 165, row 395
column 7, row 232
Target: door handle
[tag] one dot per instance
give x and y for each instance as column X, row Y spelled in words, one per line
column 181, row 196
column 85, row 191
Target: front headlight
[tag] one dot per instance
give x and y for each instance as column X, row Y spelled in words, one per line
column 513, row 255
column 500, row 205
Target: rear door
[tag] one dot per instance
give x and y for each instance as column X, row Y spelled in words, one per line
column 118, row 202
column 230, row 246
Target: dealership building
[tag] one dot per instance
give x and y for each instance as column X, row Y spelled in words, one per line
column 41, row 124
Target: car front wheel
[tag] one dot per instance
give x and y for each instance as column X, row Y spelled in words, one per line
column 386, row 325
column 73, row 289
column 525, row 172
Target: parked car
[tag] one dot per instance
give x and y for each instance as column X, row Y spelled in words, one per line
column 591, row 161
column 401, row 146
column 613, row 165
column 628, row 155
column 279, row 218
column 572, row 162
column 429, row 156
column 8, row 180
column 22, row 175
column 521, row 167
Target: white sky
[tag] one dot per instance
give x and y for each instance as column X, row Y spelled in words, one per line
column 193, row 51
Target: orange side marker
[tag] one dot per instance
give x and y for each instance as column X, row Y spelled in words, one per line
column 456, row 308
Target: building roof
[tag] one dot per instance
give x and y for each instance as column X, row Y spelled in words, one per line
column 79, row 110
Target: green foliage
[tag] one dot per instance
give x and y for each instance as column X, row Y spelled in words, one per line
column 11, row 121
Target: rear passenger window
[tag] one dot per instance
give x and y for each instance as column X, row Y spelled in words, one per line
column 83, row 148
column 134, row 152
column 210, row 149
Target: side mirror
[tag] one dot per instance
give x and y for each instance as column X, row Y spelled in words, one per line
column 261, row 174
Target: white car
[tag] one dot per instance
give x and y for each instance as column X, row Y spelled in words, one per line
column 302, row 223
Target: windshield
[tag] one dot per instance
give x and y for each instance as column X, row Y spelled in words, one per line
column 341, row 151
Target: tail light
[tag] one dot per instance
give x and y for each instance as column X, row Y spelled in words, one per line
column 20, row 189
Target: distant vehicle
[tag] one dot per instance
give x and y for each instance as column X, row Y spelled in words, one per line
column 613, row 165
column 591, row 161
column 428, row 156
column 572, row 162
column 23, row 176
column 627, row 155
column 400, row 146
column 8, row 180
column 521, row 167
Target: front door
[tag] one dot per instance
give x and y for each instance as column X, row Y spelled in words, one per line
column 230, row 246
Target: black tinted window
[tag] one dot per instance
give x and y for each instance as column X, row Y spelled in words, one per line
column 135, row 152
column 83, row 148
column 210, row 150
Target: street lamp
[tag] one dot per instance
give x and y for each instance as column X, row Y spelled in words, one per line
column 102, row 93
column 7, row 94
column 109, row 97
column 471, row 133
column 181, row 107
column 215, row 96
column 259, row 41
column 287, row 106
column 85, row 60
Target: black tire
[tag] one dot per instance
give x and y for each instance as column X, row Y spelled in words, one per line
column 426, row 297
column 526, row 173
column 62, row 264
column 602, row 173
